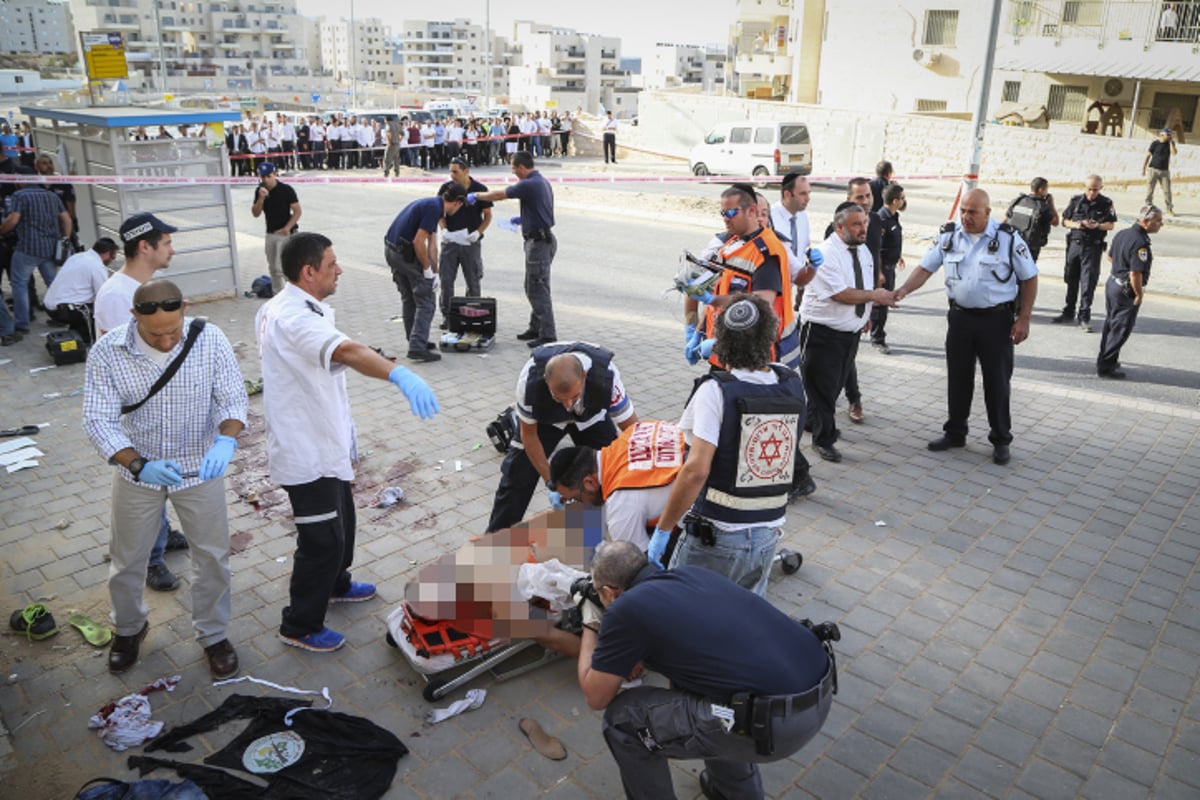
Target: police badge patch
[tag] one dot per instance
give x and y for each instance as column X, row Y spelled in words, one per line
column 1143, row 254
column 1022, row 251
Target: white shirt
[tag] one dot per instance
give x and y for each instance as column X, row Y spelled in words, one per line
column 702, row 419
column 310, row 433
column 626, row 512
column 287, row 132
column 781, row 221
column 834, row 276
column 610, row 125
column 78, row 281
column 114, row 301
column 316, row 133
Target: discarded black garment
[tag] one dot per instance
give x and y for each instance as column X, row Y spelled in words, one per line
column 323, row 755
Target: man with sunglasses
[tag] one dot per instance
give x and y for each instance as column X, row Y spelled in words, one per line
column 147, row 245
column 171, row 444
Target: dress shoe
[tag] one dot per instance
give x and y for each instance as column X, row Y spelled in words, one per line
column 1063, row 319
column 945, row 443
column 1113, row 374
column 11, row 339
column 124, row 651
column 802, row 488
column 1085, row 326
column 541, row 340
column 855, row 413
column 882, row 347
column 176, row 540
column 424, row 355
column 1000, row 454
column 525, row 336
column 445, row 325
column 160, row 578
column 222, row 660
column 707, row 789
column 829, row 453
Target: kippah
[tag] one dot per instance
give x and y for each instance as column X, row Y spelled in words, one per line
column 740, row 316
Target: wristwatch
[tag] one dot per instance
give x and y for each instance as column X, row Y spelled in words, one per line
column 135, row 467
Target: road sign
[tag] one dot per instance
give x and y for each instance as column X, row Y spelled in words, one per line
column 104, row 55
column 316, row 98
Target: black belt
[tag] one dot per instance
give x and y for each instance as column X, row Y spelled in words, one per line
column 539, row 235
column 1009, row 306
column 752, row 714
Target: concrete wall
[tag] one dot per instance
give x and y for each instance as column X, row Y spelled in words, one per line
column 853, row 141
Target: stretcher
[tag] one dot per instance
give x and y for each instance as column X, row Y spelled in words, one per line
column 463, row 615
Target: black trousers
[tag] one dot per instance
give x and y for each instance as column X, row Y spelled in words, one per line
column 828, row 357
column 1082, row 272
column 879, row 312
column 610, row 146
column 325, row 524
column 986, row 337
column 1118, row 325
column 77, row 316
column 518, row 478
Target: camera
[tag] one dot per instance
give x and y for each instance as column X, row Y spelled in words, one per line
column 824, row 631
column 584, row 588
column 503, row 429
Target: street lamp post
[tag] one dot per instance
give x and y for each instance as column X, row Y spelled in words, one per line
column 162, row 44
column 487, row 57
column 353, row 61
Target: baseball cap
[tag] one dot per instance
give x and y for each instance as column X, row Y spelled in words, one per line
column 139, row 225
column 265, row 169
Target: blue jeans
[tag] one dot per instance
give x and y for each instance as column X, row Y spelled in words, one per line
column 743, row 556
column 21, row 273
column 160, row 544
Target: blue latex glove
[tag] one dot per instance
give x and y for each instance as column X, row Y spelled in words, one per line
column 217, row 458
column 689, row 330
column 420, row 397
column 706, row 347
column 515, row 221
column 815, row 259
column 471, row 198
column 705, row 298
column 162, row 473
column 658, row 546
column 691, row 351
column 556, row 500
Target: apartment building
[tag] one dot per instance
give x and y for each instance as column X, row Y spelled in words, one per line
column 227, row 45
column 1108, row 67
column 455, row 58
column 36, row 27
column 674, row 66
column 362, row 50
column 560, row 67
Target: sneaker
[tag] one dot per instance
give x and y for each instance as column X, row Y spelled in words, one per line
column 1085, row 326
column 357, row 593
column 324, row 641
column 424, row 355
column 34, row 621
column 175, row 540
column 160, row 578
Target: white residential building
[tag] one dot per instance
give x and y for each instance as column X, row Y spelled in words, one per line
column 562, row 68
column 41, row 27
column 455, row 58
column 226, row 45
column 367, row 55
column 683, row 65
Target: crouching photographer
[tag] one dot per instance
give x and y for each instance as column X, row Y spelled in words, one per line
column 749, row 685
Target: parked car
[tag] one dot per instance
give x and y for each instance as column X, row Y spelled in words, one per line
column 753, row 148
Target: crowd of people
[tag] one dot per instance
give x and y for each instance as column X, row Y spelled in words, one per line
column 420, row 140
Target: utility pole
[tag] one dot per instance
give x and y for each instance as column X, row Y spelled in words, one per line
column 487, row 57
column 162, row 58
column 353, row 61
column 979, row 118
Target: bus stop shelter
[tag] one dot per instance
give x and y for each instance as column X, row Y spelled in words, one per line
column 182, row 180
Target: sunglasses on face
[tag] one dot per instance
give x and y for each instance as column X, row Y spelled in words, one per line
column 152, row 306
column 730, row 213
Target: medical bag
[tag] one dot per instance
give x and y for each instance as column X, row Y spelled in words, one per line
column 66, row 347
column 473, row 315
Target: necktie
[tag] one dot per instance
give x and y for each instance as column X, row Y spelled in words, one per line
column 861, row 308
column 795, row 244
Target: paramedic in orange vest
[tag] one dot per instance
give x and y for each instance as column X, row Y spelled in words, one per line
column 631, row 478
column 756, row 262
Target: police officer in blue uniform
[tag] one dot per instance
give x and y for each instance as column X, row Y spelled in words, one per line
column 986, row 264
column 1088, row 217
column 1131, row 259
column 748, row 684
column 742, row 427
column 566, row 389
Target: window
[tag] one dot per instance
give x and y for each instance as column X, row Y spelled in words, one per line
column 739, row 136
column 1012, row 92
column 1165, row 103
column 941, row 28
column 1081, row 12
column 764, row 136
column 931, row 105
column 1067, row 103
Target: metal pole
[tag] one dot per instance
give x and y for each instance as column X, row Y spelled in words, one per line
column 162, row 58
column 353, row 61
column 985, row 89
column 1137, row 96
column 487, row 56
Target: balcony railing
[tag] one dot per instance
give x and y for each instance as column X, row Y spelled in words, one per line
column 1105, row 20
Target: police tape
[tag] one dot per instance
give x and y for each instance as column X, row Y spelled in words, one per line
column 304, row 178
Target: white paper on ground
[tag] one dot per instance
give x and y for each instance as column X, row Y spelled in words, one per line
column 17, row 456
column 16, row 444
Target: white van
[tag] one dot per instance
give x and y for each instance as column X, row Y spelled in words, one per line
column 753, row 148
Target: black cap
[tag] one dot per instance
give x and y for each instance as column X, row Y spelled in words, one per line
column 847, row 204
column 139, row 225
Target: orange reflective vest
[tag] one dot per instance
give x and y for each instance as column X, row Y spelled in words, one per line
column 741, row 258
column 646, row 455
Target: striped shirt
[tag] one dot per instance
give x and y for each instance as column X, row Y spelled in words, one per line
column 38, row 231
column 180, row 422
